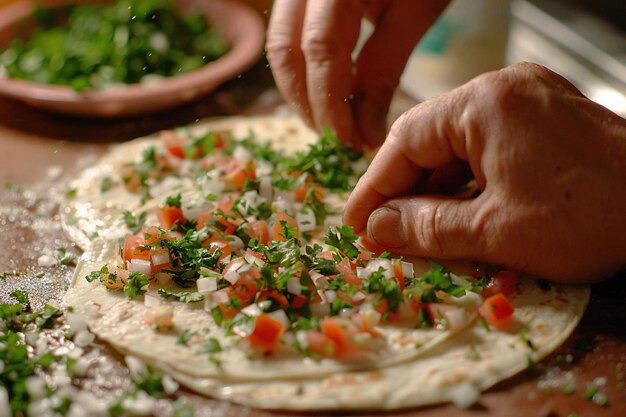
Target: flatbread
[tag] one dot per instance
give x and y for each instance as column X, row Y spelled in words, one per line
column 413, row 367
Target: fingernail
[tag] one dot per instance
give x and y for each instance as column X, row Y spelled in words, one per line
column 385, row 228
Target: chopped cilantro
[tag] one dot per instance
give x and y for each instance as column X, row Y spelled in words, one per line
column 343, row 238
column 135, row 285
column 173, row 201
column 65, row 257
column 184, row 296
column 105, row 184
column 71, row 193
column 21, row 297
column 134, row 223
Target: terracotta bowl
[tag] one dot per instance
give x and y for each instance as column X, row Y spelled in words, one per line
column 241, row 26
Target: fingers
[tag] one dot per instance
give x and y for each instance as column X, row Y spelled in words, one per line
column 330, row 32
column 428, row 136
column 432, row 227
column 382, row 59
column 286, row 57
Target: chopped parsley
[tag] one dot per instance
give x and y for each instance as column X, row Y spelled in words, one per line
column 134, row 223
column 184, row 296
column 135, row 285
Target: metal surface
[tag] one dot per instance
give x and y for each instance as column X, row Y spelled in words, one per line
column 585, row 49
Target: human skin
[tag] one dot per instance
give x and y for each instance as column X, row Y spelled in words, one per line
column 550, row 165
column 309, row 47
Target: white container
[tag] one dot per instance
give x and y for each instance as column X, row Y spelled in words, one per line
column 469, row 38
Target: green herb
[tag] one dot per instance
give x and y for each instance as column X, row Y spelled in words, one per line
column 40, row 275
column 135, row 285
column 65, row 257
column 21, row 297
column 569, row 389
column 71, row 193
column 343, row 238
column 473, row 354
column 173, row 201
column 211, row 345
column 107, row 44
column 184, row 337
column 105, row 184
column 524, row 336
column 184, row 296
column 599, row 399
column 483, row 322
column 183, row 408
column 134, row 223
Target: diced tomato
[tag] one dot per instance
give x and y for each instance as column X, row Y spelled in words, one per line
column 382, row 306
column 151, row 234
column 278, row 231
column 348, row 273
column 260, row 231
column 132, row 248
column 399, row 273
column 168, row 215
column 247, row 286
column 275, row 295
column 131, row 178
column 321, row 344
column 234, row 265
column 158, row 253
column 447, row 316
column 204, row 218
column 227, row 309
column 299, row 301
column 316, row 189
column 237, row 172
column 173, row 144
column 497, row 310
column 326, row 255
column 503, row 282
column 340, row 332
column 223, row 246
column 266, row 334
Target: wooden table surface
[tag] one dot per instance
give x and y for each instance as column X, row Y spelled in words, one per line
column 31, row 142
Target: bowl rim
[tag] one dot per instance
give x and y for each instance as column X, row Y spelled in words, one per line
column 239, row 23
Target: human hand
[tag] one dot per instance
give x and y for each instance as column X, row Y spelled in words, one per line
column 309, row 47
column 550, row 163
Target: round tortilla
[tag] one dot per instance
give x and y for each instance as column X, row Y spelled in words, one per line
column 414, row 367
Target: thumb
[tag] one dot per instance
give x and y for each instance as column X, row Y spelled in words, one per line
column 433, row 227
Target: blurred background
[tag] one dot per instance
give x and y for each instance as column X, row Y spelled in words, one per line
column 583, row 40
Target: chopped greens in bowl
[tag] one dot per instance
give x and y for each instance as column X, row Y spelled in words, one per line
column 102, row 45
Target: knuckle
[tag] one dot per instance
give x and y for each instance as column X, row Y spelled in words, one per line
column 279, row 48
column 319, row 47
column 428, row 230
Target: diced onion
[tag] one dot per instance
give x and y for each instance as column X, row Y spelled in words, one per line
column 235, row 243
column 211, row 184
column 345, row 312
column 241, row 154
column 302, row 336
column 407, row 269
column 294, row 287
column 319, row 280
column 363, row 272
column 206, row 285
column 464, row 395
column 366, row 307
column 281, row 316
column 457, row 280
column 265, row 187
column 232, row 277
column 84, row 338
column 139, row 265
column 320, row 310
column 281, row 205
column 77, row 322
column 220, row 297
column 160, row 258
column 284, row 195
column 170, row 386
column 375, row 264
column 306, row 220
column 331, row 295
column 251, row 310
column 253, row 260
column 358, row 296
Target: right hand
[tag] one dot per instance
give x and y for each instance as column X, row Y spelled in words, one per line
column 551, row 165
column 309, row 47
